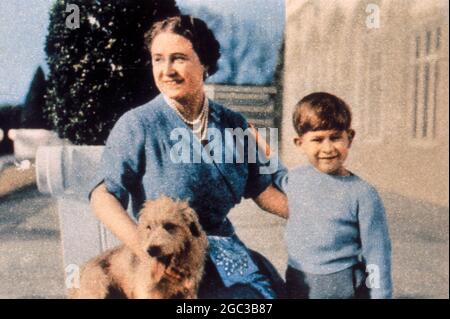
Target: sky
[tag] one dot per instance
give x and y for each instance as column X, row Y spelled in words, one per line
column 259, row 9
column 23, row 27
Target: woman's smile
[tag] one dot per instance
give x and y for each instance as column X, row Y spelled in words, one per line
column 173, row 83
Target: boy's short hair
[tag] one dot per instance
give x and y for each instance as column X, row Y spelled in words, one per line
column 321, row 111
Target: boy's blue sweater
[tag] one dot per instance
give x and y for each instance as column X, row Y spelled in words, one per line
column 332, row 221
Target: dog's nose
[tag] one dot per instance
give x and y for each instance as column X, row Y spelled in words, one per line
column 154, row 251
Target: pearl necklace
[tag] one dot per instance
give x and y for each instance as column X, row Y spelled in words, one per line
column 200, row 124
column 202, row 127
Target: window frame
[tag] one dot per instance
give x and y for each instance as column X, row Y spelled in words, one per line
column 422, row 113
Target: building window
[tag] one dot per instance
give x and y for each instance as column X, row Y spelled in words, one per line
column 427, row 46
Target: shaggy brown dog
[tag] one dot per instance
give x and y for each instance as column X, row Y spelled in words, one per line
column 171, row 235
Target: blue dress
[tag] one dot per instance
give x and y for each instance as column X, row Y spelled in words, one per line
column 151, row 152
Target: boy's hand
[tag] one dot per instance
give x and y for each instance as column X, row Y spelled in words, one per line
column 261, row 142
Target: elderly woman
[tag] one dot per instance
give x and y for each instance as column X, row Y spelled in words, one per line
column 138, row 162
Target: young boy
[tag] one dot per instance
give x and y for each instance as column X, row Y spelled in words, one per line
column 337, row 227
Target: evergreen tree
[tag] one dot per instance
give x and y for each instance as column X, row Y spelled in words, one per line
column 9, row 119
column 101, row 69
column 32, row 116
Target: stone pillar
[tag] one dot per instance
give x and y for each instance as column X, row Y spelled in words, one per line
column 67, row 173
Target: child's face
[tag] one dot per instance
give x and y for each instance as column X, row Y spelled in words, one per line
column 327, row 150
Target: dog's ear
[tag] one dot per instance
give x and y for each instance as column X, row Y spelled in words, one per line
column 190, row 218
column 194, row 229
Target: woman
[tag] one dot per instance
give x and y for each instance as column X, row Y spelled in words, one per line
column 139, row 161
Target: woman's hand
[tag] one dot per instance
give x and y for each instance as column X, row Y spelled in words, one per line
column 111, row 213
column 273, row 201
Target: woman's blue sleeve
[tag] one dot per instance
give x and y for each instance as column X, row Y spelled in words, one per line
column 123, row 158
column 280, row 177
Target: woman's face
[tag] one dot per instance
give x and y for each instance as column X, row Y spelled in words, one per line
column 177, row 69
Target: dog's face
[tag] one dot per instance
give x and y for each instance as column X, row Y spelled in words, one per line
column 168, row 228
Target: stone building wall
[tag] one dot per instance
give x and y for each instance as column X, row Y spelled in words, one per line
column 393, row 71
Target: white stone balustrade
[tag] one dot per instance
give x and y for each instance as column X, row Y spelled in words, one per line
column 67, row 173
column 27, row 141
